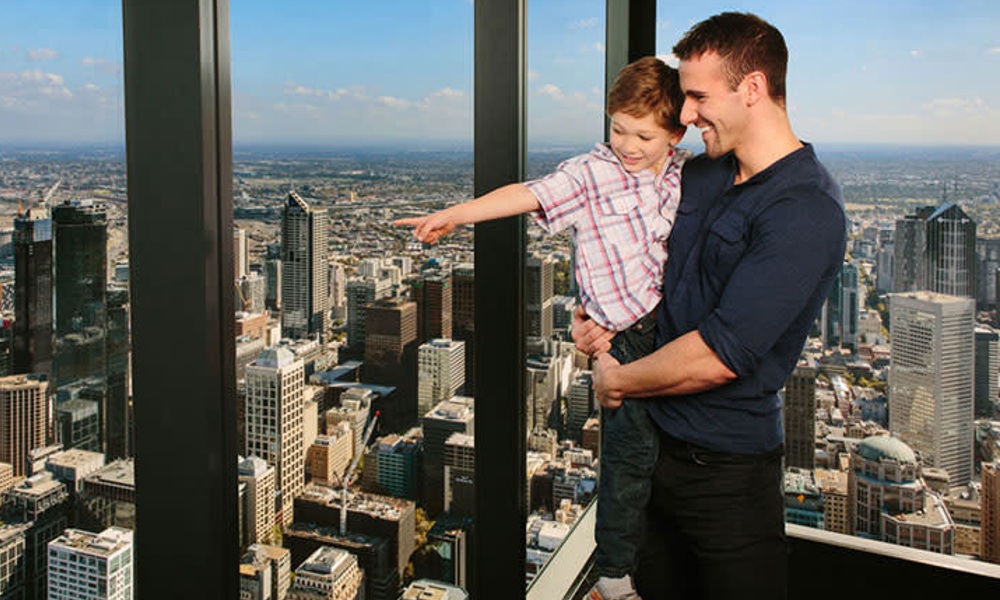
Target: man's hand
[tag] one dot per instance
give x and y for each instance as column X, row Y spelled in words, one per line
column 590, row 338
column 432, row 227
column 605, row 367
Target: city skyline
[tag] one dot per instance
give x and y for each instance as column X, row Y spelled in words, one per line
column 911, row 73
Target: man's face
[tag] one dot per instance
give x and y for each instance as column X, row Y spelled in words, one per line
column 640, row 142
column 711, row 105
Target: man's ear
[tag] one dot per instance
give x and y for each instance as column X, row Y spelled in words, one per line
column 754, row 87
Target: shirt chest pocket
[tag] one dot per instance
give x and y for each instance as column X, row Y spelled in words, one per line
column 725, row 246
column 618, row 220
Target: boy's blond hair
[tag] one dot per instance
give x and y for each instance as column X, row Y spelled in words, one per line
column 648, row 86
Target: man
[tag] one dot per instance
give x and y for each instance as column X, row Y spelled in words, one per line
column 760, row 235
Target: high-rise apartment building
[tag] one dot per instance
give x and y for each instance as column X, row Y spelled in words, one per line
column 539, row 291
column 33, row 309
column 41, row 502
column 259, row 510
column 987, row 370
column 24, row 404
column 328, row 574
column 304, row 288
column 274, row 430
column 463, row 317
column 440, row 372
column 241, row 253
column 360, row 293
column 81, row 315
column 800, row 417
column 390, row 327
column 456, row 415
column 392, row 466
column 990, row 528
column 92, row 566
column 459, row 474
column 931, row 378
column 432, row 293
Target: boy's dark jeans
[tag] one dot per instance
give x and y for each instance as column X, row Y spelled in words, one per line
column 629, row 447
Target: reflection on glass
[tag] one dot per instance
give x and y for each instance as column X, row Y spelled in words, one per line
column 66, row 470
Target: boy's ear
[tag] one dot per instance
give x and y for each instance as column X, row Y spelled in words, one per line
column 676, row 136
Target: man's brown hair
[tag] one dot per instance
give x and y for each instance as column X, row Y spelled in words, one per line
column 745, row 43
column 648, row 86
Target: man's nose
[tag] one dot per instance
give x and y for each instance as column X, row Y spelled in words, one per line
column 688, row 113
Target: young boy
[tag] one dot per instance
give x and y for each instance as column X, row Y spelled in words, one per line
column 620, row 201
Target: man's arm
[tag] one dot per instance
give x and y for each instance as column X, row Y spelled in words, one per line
column 684, row 366
column 507, row 201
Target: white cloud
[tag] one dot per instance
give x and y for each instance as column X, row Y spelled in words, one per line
column 551, row 91
column 91, row 87
column 599, row 47
column 104, row 65
column 584, row 23
column 950, row 106
column 533, row 75
column 916, row 53
column 393, row 102
column 39, row 54
column 993, row 50
column 448, row 92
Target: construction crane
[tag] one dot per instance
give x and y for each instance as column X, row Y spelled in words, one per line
column 50, row 193
column 348, row 477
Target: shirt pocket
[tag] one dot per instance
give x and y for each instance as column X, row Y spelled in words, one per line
column 724, row 248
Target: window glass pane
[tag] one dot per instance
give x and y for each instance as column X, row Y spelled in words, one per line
column 565, row 119
column 900, row 105
column 66, row 463
column 354, row 343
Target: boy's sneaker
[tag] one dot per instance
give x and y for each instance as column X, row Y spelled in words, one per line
column 608, row 588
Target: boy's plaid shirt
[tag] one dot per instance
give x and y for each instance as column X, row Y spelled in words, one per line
column 620, row 222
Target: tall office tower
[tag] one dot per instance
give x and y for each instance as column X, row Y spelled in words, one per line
column 338, row 292
column 390, row 327
column 990, row 528
column 262, row 564
column 6, row 476
column 562, row 314
column 456, row 415
column 840, row 311
column 241, row 253
column 459, row 474
column 360, row 293
column 119, row 442
column 987, row 371
column 800, row 417
column 884, row 262
column 392, row 466
column 6, row 346
column 24, row 403
column 540, row 277
column 931, row 378
column 251, row 293
column 328, row 574
column 909, row 262
column 542, row 387
column 304, row 288
column 81, row 240
column 440, row 372
column 433, row 294
column 987, row 263
column 329, row 455
column 95, row 566
column 12, row 554
column 951, row 252
column 259, row 510
column 579, row 405
column 42, row 503
column 33, row 333
column 463, row 318
column 274, row 389
column 355, row 408
column 272, row 284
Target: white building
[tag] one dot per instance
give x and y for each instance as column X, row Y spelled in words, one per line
column 328, row 574
column 259, row 515
column 931, row 378
column 440, row 372
column 274, row 397
column 91, row 566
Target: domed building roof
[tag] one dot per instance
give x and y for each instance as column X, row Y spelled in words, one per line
column 877, row 447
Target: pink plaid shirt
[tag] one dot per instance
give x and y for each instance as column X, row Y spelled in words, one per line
column 620, row 223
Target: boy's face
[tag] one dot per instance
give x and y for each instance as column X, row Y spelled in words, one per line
column 641, row 142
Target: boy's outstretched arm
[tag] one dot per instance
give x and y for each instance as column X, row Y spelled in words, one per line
column 507, row 201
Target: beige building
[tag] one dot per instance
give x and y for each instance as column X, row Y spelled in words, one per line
column 833, row 484
column 328, row 574
column 259, row 514
column 265, row 573
column 329, row 456
column 6, row 477
column 274, row 401
column 990, row 545
column 23, row 419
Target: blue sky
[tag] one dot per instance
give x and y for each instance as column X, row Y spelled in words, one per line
column 373, row 72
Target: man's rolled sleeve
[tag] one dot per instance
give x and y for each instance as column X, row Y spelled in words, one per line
column 795, row 249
